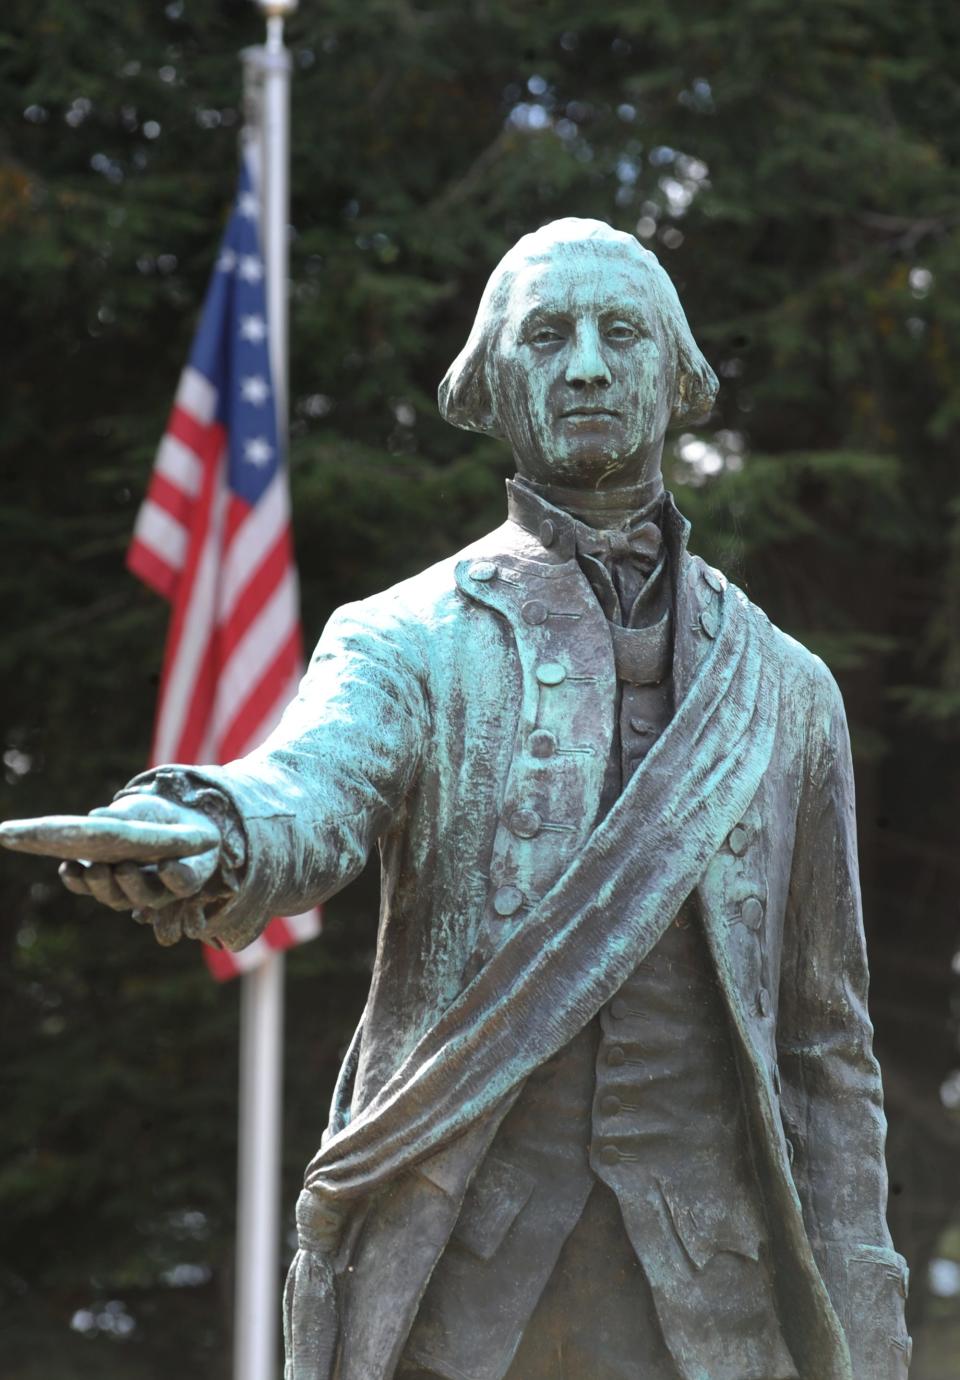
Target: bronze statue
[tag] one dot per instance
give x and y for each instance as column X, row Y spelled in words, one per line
column 612, row 1109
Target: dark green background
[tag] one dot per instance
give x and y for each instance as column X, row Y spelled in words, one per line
column 795, row 165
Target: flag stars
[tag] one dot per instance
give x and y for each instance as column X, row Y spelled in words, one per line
column 254, row 390
column 227, row 261
column 258, row 451
column 250, row 268
column 253, row 328
column 247, row 205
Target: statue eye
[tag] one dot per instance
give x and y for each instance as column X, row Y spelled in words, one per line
column 621, row 330
column 544, row 335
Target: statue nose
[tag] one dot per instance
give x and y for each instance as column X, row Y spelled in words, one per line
column 587, row 367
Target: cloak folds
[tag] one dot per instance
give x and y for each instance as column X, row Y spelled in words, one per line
column 574, row 950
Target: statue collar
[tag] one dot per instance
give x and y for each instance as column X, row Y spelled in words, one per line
column 555, row 528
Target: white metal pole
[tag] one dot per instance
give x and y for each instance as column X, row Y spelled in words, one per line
column 257, row 1307
column 258, row 1198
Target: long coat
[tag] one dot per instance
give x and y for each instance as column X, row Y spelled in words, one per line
column 413, row 730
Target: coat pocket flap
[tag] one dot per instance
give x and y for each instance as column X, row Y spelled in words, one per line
column 491, row 1206
column 707, row 1226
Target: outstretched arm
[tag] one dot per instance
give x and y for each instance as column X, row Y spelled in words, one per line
column 296, row 818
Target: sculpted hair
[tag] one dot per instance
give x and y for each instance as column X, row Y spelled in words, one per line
column 466, row 396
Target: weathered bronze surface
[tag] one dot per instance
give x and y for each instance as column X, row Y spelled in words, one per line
column 612, row 1109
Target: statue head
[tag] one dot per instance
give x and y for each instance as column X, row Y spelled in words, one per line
column 580, row 357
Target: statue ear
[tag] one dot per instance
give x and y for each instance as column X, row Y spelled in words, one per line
column 696, row 384
column 464, row 395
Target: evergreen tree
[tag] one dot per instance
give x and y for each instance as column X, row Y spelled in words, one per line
column 795, row 165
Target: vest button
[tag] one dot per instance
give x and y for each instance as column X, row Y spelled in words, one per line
column 534, row 612
column 507, row 900
column 551, row 673
column 616, row 1056
column 609, row 1154
column 610, row 1105
column 640, row 726
column 525, row 823
column 548, row 532
column 483, row 571
column 751, row 912
column 763, row 1002
column 737, row 840
column 619, row 1009
column 542, row 743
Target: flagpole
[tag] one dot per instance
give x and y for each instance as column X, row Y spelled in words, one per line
column 257, row 1292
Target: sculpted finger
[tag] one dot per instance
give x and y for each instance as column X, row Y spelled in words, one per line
column 166, row 926
column 141, row 885
column 102, row 884
column 193, row 920
column 185, row 876
column 72, row 876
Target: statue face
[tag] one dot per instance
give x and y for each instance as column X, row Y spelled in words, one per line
column 582, row 380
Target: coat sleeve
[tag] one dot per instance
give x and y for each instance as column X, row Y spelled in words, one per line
column 832, row 1099
column 311, row 801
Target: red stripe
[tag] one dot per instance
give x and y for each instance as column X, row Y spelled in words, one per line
column 144, row 562
column 269, row 574
column 171, row 498
column 278, row 935
column 238, row 511
column 205, row 439
column 221, row 963
column 262, row 697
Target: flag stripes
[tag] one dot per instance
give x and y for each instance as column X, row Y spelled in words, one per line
column 213, row 537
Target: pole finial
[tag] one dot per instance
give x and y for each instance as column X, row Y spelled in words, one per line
column 277, row 9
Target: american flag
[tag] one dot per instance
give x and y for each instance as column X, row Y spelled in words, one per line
column 213, row 537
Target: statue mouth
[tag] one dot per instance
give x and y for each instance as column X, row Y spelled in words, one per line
column 576, row 412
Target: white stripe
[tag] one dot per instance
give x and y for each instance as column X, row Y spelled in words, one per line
column 194, row 639
column 178, row 464
column 165, row 536
column 253, row 538
column 252, row 956
column 305, row 926
column 197, row 395
column 255, row 651
column 274, row 714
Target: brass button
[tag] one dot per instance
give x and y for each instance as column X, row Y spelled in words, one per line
column 548, row 532
column 737, row 840
column 551, row 673
column 616, row 1056
column 610, row 1105
column 619, row 1009
column 751, row 912
column 712, row 579
column 507, row 900
column 763, row 1002
column 525, row 823
column 609, row 1154
column 710, row 621
column 534, row 612
column 640, row 725
column 542, row 743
